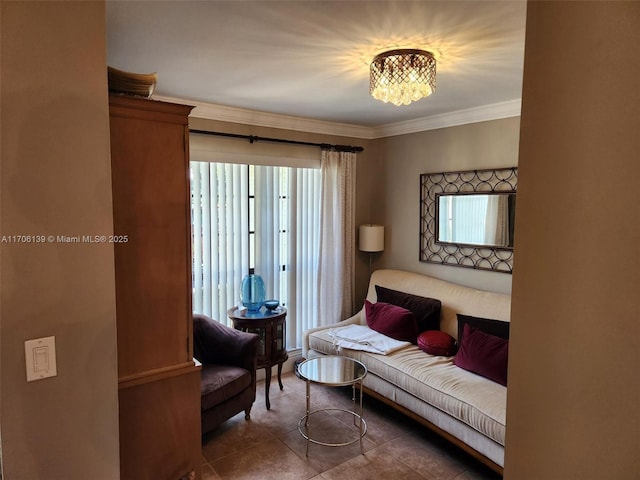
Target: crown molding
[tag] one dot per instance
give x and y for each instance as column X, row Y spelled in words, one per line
column 223, row 113
column 485, row 113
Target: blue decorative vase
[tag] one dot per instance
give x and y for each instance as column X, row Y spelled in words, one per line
column 253, row 292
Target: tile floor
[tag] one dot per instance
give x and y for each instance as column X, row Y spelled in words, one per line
column 269, row 445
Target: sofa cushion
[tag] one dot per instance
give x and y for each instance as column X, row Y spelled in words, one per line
column 221, row 382
column 392, row 321
column 426, row 310
column 435, row 342
column 484, row 354
column 487, row 325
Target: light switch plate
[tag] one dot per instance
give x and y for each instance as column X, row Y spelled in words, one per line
column 40, row 356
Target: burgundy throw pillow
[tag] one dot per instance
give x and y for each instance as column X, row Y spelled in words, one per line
column 484, row 354
column 436, row 342
column 426, row 310
column 392, row 321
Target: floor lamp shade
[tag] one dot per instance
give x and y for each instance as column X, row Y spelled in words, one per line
column 371, row 238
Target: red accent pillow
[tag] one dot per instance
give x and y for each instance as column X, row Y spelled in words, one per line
column 436, row 342
column 484, row 354
column 392, row 321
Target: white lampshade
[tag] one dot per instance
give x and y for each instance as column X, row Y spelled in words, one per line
column 371, row 238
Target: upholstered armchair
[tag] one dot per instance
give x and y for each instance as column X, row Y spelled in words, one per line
column 229, row 359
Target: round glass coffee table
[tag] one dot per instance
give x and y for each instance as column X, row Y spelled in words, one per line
column 333, row 371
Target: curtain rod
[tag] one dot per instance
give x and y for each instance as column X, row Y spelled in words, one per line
column 253, row 138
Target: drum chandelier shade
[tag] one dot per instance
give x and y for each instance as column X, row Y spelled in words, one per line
column 402, row 76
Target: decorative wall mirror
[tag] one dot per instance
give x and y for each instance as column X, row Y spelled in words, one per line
column 467, row 218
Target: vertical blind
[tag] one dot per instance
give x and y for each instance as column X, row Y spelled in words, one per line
column 262, row 218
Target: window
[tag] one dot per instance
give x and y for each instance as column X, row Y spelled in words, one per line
column 261, row 219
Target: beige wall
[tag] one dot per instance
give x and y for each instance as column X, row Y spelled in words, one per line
column 55, row 180
column 574, row 389
column 396, row 191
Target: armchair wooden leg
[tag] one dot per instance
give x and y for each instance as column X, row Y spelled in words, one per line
column 247, row 414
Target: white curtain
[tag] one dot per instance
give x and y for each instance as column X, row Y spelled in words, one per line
column 497, row 221
column 337, row 237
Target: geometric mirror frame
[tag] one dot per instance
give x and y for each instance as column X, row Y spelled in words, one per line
column 469, row 182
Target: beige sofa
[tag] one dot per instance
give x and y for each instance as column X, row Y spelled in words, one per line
column 467, row 409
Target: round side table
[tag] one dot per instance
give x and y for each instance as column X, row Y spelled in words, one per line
column 333, row 371
column 270, row 326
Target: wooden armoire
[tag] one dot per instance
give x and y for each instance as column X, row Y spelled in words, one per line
column 159, row 383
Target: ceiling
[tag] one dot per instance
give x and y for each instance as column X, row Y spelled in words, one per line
column 311, row 59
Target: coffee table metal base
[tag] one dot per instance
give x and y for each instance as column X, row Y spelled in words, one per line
column 333, row 371
column 303, row 428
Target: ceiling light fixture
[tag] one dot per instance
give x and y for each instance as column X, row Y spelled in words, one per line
column 402, row 76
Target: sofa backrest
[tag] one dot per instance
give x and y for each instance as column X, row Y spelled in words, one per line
column 455, row 298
